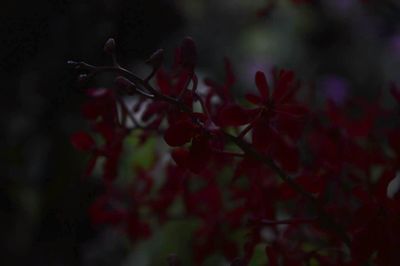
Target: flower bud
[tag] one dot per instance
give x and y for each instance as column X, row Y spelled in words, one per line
column 72, row 63
column 156, row 59
column 109, row 46
column 76, row 65
column 82, row 79
column 188, row 54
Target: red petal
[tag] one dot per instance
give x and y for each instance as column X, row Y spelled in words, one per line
column 262, row 135
column 163, row 81
column 199, row 154
column 180, row 84
column 283, row 84
column 90, row 166
column 181, row 157
column 136, row 228
column 290, row 125
column 235, row 115
column 179, row 133
column 262, row 85
column 82, row 141
column 287, row 155
column 91, row 110
column 254, row 99
column 200, row 116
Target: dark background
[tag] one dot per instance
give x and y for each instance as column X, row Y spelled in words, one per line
column 43, row 201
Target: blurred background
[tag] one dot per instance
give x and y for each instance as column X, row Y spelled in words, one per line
column 341, row 48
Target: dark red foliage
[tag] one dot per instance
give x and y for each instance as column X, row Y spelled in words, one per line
column 339, row 206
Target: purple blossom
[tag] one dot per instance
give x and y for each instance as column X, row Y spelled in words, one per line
column 335, row 89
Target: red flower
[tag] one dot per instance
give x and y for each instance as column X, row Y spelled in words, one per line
column 281, row 104
column 276, row 121
column 201, row 135
column 282, row 101
column 344, row 193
